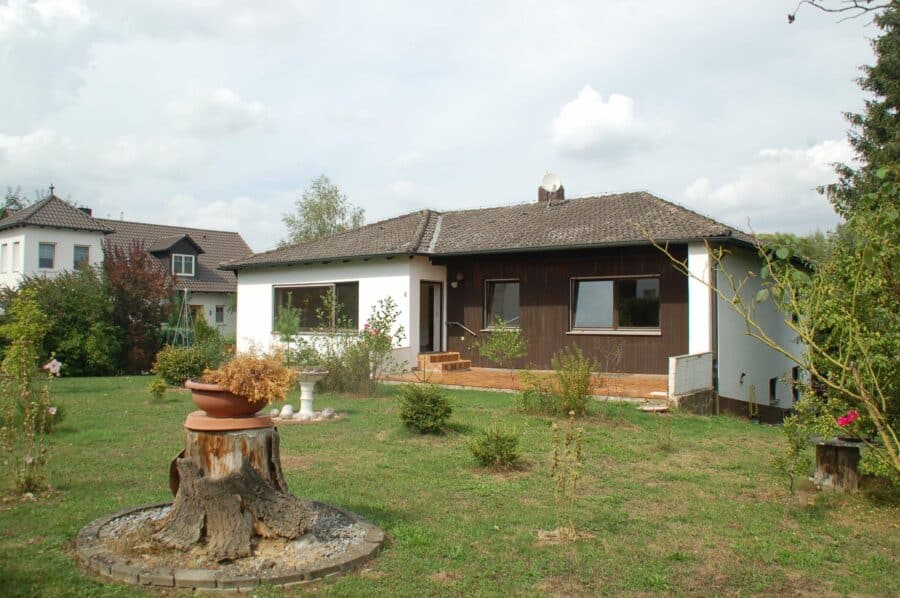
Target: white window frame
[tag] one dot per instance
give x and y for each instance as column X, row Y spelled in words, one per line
column 615, row 330
column 16, row 256
column 75, row 248
column 4, row 258
column 52, row 266
column 488, row 326
column 193, row 261
column 216, row 311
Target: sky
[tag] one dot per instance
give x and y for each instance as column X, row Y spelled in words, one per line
column 217, row 114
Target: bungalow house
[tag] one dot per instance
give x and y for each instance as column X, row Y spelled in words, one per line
column 564, row 271
column 52, row 236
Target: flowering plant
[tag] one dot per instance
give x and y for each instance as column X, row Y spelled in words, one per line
column 53, row 367
column 849, row 418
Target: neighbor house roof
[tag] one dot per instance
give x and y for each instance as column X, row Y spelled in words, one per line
column 606, row 220
column 214, row 246
column 56, row 213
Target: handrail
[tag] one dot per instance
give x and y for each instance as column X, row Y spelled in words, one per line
column 460, row 324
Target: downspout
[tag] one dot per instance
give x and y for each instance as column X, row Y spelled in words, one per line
column 714, row 328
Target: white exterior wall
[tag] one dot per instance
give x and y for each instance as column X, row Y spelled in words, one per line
column 378, row 279
column 699, row 299
column 740, row 354
column 421, row 269
column 209, row 301
column 30, row 237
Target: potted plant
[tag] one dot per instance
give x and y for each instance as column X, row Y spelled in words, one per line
column 242, row 386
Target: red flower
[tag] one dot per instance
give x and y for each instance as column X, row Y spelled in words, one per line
column 846, row 420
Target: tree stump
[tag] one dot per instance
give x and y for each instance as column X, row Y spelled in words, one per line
column 837, row 464
column 229, row 488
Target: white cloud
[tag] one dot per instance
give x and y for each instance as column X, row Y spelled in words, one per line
column 220, row 112
column 777, row 192
column 258, row 221
column 24, row 19
column 403, row 188
column 589, row 126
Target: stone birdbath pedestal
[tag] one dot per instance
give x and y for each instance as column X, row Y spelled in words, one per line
column 233, row 523
column 307, row 379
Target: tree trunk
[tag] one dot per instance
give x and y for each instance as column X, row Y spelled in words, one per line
column 229, row 487
column 837, row 465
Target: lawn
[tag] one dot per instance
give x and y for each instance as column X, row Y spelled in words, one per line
column 704, row 516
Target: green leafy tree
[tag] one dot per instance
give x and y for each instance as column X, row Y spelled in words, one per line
column 81, row 332
column 323, row 210
column 13, row 201
column 812, row 247
column 503, row 345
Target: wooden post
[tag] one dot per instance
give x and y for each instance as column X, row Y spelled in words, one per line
column 837, row 464
column 229, row 487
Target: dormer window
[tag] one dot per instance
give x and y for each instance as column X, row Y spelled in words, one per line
column 183, row 265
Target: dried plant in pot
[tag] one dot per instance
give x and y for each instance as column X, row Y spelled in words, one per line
column 242, row 386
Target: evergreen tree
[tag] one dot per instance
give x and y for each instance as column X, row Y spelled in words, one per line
column 875, row 133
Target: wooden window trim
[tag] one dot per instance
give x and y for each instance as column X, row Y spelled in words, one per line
column 615, row 330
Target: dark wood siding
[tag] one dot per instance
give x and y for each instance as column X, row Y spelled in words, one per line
column 544, row 305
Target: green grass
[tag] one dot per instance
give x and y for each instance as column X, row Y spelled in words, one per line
column 705, row 515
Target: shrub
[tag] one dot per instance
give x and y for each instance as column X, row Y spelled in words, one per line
column 79, row 315
column 208, row 340
column 573, row 372
column 538, row 396
column 424, row 408
column 177, row 364
column 503, row 344
column 262, row 379
column 55, row 415
column 157, row 388
column 496, row 447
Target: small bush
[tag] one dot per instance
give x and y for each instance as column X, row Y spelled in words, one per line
column 496, row 447
column 424, row 408
column 262, row 379
column 177, row 364
column 157, row 388
column 538, row 397
column 573, row 371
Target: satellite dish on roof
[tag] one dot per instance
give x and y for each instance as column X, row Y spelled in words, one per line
column 551, row 182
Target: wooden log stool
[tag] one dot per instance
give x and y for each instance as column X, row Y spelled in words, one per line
column 837, row 464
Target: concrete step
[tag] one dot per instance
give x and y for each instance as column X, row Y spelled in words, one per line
column 447, row 366
column 429, row 359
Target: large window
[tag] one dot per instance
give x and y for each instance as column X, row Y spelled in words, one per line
column 628, row 303
column 81, row 255
column 501, row 302
column 183, row 265
column 46, row 255
column 315, row 305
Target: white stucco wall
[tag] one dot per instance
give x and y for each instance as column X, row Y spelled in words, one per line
column 209, row 301
column 30, row 237
column 699, row 299
column 421, row 269
column 378, row 279
column 740, row 354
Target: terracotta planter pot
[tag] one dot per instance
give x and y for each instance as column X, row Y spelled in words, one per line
column 218, row 402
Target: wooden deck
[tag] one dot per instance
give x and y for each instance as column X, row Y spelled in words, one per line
column 634, row 386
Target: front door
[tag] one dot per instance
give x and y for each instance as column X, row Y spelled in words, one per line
column 430, row 296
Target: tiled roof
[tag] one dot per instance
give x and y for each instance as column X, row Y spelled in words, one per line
column 166, row 243
column 619, row 219
column 53, row 212
column 387, row 237
column 217, row 246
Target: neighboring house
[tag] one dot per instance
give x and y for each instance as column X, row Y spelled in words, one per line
column 46, row 238
column 52, row 236
column 191, row 256
column 578, row 271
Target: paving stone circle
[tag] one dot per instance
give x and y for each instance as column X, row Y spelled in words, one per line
column 94, row 556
